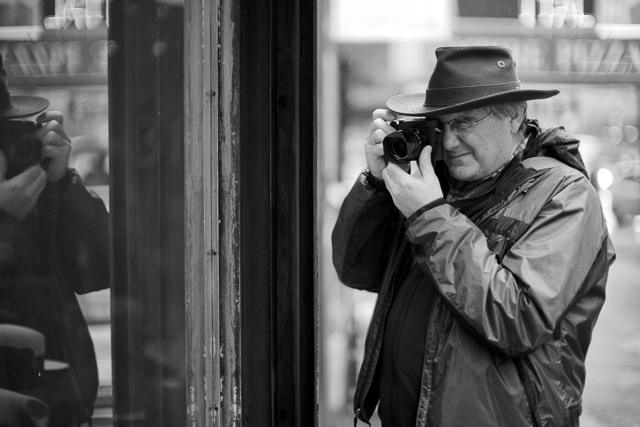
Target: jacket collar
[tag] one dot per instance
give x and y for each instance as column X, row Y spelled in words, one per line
column 553, row 142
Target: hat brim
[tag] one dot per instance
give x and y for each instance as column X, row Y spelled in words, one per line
column 413, row 104
column 24, row 106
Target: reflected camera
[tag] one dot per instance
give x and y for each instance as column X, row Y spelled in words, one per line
column 410, row 137
column 19, row 145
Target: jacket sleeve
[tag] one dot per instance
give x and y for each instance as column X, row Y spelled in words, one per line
column 362, row 234
column 82, row 236
column 515, row 305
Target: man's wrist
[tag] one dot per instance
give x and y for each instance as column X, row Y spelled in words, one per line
column 65, row 182
column 373, row 181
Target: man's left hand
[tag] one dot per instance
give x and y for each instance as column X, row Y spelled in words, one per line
column 56, row 145
column 412, row 191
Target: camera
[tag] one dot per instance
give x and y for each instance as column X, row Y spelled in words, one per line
column 410, row 137
column 19, row 145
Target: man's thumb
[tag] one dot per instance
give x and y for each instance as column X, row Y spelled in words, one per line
column 425, row 159
column 415, row 169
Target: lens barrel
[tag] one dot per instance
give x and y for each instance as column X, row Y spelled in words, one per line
column 404, row 145
column 25, row 152
column 20, row 146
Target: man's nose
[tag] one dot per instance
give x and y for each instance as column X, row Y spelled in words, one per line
column 449, row 139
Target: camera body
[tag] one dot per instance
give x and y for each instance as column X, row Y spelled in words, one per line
column 19, row 145
column 410, row 137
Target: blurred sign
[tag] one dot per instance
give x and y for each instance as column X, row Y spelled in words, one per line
column 598, row 56
column 89, row 14
column 568, row 59
column 376, row 20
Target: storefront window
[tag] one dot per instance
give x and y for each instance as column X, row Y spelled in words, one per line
column 67, row 66
column 204, row 224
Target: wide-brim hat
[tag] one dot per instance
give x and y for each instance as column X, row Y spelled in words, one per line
column 465, row 78
column 17, row 106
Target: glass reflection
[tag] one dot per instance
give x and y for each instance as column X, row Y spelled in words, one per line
column 55, row 351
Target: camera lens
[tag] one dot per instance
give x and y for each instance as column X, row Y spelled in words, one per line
column 27, row 150
column 404, row 145
column 24, row 152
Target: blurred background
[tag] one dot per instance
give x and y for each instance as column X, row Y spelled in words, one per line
column 589, row 50
column 370, row 50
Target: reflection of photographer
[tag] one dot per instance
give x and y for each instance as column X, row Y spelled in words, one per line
column 53, row 245
column 30, row 154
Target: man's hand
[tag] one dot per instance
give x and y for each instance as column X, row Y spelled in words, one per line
column 19, row 195
column 412, row 191
column 56, row 145
column 373, row 148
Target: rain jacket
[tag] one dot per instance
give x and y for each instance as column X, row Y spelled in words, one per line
column 59, row 250
column 520, row 277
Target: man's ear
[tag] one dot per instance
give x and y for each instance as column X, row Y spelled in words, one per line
column 515, row 122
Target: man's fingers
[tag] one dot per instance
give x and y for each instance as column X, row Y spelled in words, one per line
column 382, row 126
column 49, row 116
column 381, row 117
column 384, row 114
column 377, row 136
column 53, row 133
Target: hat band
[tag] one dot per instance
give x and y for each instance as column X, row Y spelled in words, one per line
column 5, row 101
column 457, row 95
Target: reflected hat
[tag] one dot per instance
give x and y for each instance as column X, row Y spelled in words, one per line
column 466, row 78
column 14, row 107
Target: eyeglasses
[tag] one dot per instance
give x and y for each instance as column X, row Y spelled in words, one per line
column 461, row 126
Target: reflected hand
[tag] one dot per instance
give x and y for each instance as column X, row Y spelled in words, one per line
column 56, row 145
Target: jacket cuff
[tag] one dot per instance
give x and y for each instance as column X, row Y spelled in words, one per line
column 432, row 204
column 71, row 186
column 374, row 182
column 65, row 182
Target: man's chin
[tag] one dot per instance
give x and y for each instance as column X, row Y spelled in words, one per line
column 462, row 173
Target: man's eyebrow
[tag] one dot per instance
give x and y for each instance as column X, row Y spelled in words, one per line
column 464, row 117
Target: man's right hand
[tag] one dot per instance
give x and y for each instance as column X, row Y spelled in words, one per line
column 19, row 195
column 373, row 148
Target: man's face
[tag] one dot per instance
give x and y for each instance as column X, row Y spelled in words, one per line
column 482, row 149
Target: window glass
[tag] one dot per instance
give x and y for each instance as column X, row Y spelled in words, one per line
column 55, row 334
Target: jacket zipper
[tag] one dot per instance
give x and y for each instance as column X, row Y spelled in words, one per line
column 399, row 245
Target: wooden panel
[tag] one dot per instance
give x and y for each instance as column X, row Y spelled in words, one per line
column 295, row 191
column 249, row 236
column 202, row 238
column 230, row 135
column 257, row 213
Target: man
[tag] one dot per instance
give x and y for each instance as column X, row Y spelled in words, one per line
column 490, row 271
column 53, row 244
